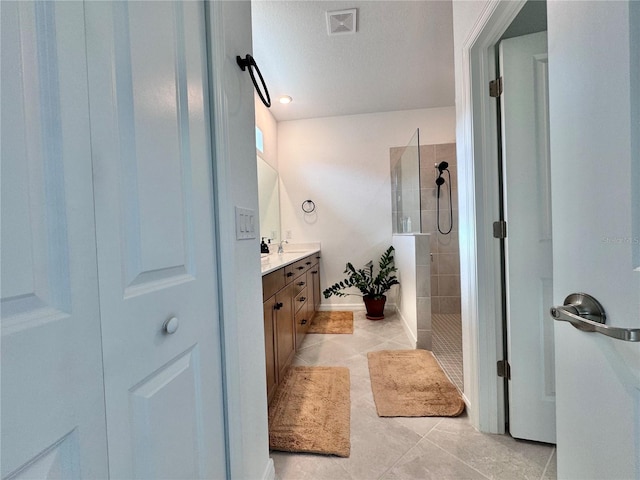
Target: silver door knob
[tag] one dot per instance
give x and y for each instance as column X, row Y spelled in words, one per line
column 171, row 325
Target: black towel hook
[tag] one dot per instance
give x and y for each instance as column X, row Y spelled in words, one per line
column 249, row 62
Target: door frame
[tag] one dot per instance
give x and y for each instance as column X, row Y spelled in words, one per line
column 480, row 275
column 224, row 225
column 229, row 334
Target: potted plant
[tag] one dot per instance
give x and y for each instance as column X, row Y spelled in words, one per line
column 372, row 287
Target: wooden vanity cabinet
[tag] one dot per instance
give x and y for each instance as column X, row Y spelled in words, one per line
column 285, row 334
column 290, row 295
column 300, row 302
column 269, row 345
column 313, row 281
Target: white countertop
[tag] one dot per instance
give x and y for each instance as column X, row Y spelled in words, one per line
column 292, row 253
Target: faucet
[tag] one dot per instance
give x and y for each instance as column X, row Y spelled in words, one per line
column 280, row 249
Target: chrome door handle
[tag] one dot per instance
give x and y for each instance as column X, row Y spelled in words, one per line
column 587, row 314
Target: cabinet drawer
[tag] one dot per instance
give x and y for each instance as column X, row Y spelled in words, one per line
column 272, row 282
column 288, row 273
column 302, row 325
column 300, row 300
column 299, row 268
column 300, row 284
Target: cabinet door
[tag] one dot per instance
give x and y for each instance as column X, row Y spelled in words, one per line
column 285, row 330
column 270, row 345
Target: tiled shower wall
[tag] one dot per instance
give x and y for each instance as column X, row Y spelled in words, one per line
column 445, row 253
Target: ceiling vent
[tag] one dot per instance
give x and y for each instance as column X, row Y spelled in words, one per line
column 342, row 22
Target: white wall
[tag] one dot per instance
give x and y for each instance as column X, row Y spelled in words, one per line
column 413, row 301
column 241, row 286
column 342, row 164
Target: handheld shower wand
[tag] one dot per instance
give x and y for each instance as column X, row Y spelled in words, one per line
column 441, row 167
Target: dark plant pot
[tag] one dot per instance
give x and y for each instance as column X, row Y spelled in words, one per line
column 375, row 307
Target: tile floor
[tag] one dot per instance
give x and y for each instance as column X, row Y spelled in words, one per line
column 404, row 448
column 447, row 345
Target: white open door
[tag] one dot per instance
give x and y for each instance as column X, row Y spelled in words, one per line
column 594, row 95
column 527, row 200
column 53, row 420
column 154, row 216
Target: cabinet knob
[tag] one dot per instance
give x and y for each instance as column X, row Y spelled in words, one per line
column 302, row 299
column 308, row 263
column 300, row 284
column 170, row 326
column 314, row 271
column 278, row 306
column 303, row 322
column 300, row 268
column 289, row 274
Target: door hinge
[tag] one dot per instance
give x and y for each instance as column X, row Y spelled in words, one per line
column 495, row 87
column 500, row 229
column 504, row 369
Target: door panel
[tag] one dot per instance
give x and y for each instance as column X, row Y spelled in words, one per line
column 153, row 190
column 150, row 402
column 53, row 419
column 592, row 134
column 528, row 246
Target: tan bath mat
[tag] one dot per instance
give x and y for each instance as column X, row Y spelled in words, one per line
column 332, row 322
column 311, row 412
column 410, row 383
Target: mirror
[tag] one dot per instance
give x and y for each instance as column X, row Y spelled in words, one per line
column 269, row 201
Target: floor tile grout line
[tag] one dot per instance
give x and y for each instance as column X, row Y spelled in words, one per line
column 400, row 458
column 454, row 456
column 544, row 472
column 422, row 437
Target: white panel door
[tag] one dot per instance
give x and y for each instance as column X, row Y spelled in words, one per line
column 53, row 417
column 154, row 217
column 594, row 99
column 528, row 246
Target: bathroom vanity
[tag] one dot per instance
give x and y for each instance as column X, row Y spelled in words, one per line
column 291, row 295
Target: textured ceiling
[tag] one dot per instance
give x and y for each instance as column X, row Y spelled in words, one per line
column 400, row 58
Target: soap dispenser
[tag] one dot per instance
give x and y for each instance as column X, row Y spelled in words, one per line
column 264, row 248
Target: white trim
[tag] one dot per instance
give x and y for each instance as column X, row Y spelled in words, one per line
column 336, row 307
column 270, row 471
column 478, row 197
column 224, row 232
column 405, row 326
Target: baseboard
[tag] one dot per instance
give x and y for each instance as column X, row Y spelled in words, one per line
column 333, row 307
column 351, row 307
column 405, row 326
column 270, row 471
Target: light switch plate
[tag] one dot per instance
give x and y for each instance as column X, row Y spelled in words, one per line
column 245, row 223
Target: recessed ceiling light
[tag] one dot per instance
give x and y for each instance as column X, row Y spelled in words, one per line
column 285, row 99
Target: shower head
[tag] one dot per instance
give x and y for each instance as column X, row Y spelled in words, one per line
column 442, row 166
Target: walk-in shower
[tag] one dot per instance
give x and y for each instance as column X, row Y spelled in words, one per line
column 424, row 201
